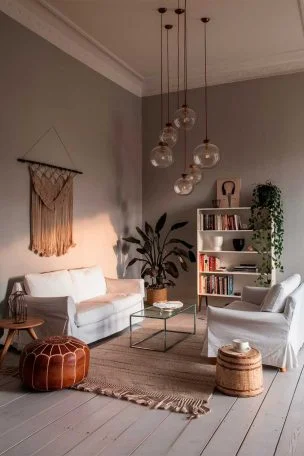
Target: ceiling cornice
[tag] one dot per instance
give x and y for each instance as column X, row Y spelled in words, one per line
column 51, row 25
column 230, row 71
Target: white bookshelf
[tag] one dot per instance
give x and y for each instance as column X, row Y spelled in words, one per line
column 228, row 256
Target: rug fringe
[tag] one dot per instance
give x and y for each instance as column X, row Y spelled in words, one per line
column 194, row 408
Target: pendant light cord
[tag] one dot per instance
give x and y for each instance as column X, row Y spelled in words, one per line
column 185, row 151
column 178, row 56
column 185, row 54
column 206, row 87
column 161, row 72
column 168, row 75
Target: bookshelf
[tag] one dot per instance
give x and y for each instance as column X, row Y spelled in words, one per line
column 217, row 277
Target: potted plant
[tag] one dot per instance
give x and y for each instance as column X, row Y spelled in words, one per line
column 158, row 255
column 267, row 221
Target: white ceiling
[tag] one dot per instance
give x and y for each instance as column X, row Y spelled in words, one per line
column 246, row 38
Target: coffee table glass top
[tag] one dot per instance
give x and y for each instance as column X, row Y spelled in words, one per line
column 155, row 312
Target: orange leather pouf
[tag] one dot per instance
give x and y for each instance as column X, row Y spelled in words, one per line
column 54, row 363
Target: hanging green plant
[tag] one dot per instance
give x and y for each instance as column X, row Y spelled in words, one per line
column 267, row 223
column 159, row 252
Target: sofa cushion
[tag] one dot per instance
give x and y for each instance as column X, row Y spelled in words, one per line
column 88, row 283
column 49, row 284
column 275, row 299
column 103, row 307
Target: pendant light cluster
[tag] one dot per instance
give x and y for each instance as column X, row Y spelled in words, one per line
column 206, row 155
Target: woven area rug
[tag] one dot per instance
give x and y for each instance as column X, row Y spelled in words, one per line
column 178, row 380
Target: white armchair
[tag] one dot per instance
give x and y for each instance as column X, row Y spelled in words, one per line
column 278, row 335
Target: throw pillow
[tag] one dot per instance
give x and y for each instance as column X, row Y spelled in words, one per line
column 275, row 298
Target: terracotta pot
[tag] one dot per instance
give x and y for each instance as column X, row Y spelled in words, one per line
column 154, row 295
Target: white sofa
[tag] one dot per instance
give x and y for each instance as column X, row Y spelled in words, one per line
column 80, row 302
column 272, row 320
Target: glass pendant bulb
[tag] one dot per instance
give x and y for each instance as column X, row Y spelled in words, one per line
column 185, row 118
column 206, row 155
column 183, row 185
column 161, row 156
column 169, row 135
column 195, row 174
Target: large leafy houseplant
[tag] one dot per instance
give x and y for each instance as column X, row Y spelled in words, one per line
column 160, row 253
column 267, row 221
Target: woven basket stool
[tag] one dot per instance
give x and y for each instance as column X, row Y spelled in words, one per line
column 54, row 363
column 239, row 374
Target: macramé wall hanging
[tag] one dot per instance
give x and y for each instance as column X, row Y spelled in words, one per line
column 51, row 202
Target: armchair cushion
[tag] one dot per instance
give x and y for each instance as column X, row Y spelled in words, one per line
column 275, row 299
column 49, row 285
column 88, row 283
column 243, row 305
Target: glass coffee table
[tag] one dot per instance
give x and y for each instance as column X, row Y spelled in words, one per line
column 154, row 312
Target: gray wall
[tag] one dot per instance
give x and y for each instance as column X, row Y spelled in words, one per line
column 99, row 122
column 258, row 126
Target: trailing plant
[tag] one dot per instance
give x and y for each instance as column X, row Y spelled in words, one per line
column 267, row 220
column 159, row 253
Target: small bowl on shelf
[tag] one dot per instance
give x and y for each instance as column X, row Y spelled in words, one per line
column 238, row 244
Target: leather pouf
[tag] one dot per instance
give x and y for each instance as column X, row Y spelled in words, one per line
column 54, row 363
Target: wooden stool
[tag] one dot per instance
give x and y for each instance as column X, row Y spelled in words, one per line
column 53, row 363
column 239, row 374
column 12, row 327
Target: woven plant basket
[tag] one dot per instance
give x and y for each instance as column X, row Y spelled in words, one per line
column 154, row 295
column 239, row 374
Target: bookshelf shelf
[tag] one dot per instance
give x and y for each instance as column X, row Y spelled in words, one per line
column 222, row 284
column 227, row 231
column 221, row 295
column 229, row 273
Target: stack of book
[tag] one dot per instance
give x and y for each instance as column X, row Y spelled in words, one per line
column 221, row 222
column 245, row 268
column 209, row 263
column 222, row 285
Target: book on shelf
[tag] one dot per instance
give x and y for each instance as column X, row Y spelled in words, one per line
column 220, row 222
column 209, row 263
column 245, row 268
column 219, row 285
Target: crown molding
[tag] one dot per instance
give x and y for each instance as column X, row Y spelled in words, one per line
column 233, row 71
column 47, row 22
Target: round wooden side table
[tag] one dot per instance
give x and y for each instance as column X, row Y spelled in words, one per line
column 12, row 327
column 239, row 374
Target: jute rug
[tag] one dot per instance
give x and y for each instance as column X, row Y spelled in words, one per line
column 179, row 380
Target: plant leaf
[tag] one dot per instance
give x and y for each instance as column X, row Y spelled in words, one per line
column 141, row 250
column 160, row 223
column 171, row 269
column 180, row 241
column 132, row 262
column 178, row 225
column 149, row 230
column 192, row 257
column 132, row 239
column 143, row 235
column 183, row 264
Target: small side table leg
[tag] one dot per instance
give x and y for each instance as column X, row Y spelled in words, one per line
column 32, row 333
column 8, row 341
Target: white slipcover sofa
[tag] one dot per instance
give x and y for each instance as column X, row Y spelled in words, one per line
column 80, row 302
column 272, row 320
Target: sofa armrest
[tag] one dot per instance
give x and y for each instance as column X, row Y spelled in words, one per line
column 255, row 295
column 294, row 308
column 126, row 286
column 57, row 313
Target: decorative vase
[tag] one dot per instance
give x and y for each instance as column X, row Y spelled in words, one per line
column 238, row 244
column 156, row 294
column 217, row 242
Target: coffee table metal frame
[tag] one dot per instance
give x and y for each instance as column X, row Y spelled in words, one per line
column 154, row 312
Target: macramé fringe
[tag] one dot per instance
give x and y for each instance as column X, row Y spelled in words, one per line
column 194, row 408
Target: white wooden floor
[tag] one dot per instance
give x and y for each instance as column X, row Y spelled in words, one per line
column 76, row 423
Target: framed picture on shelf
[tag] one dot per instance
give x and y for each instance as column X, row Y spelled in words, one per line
column 228, row 191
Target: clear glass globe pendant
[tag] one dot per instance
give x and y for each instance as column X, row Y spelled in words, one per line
column 169, row 135
column 183, row 185
column 195, row 174
column 206, row 155
column 185, row 118
column 161, row 156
